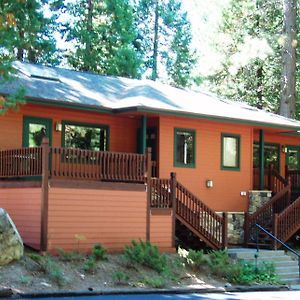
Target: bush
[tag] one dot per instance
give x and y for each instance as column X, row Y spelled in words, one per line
column 69, row 256
column 120, row 277
column 155, row 282
column 50, row 268
column 219, row 262
column 90, row 265
column 247, row 273
column 99, row 252
column 146, row 254
column 196, row 259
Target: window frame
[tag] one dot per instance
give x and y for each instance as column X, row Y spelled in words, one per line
column 83, row 124
column 238, row 138
column 193, row 163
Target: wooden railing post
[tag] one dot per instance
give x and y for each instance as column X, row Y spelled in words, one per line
column 275, row 232
column 225, row 231
column 45, row 189
column 290, row 190
column 173, row 199
column 148, row 180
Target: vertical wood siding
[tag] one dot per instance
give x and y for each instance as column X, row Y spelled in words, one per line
column 110, row 217
column 122, row 130
column 161, row 231
column 225, row 195
column 24, row 207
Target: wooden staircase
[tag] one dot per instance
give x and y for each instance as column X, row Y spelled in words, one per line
column 206, row 224
column 280, row 215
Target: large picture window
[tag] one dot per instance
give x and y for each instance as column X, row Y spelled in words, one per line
column 184, row 147
column 85, row 136
column 230, row 151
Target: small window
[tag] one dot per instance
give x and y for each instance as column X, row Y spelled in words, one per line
column 184, row 148
column 230, row 152
column 85, row 136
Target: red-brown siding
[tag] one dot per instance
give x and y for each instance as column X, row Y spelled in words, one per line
column 111, row 217
column 24, row 207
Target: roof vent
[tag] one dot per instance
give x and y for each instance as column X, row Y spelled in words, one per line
column 44, row 77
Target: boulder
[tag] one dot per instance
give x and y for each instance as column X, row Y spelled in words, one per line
column 11, row 244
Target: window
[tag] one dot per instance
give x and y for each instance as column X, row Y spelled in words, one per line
column 34, row 130
column 85, row 136
column 230, row 151
column 184, row 148
column 271, row 154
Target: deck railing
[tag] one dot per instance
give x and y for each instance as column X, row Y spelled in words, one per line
column 68, row 163
column 21, row 162
column 97, row 165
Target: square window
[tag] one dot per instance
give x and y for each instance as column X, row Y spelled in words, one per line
column 184, row 148
column 230, row 152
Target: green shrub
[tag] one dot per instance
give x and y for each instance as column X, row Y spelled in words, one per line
column 49, row 267
column 120, row 277
column 219, row 262
column 99, row 252
column 146, row 254
column 90, row 265
column 154, row 282
column 247, row 273
column 196, row 259
column 69, row 256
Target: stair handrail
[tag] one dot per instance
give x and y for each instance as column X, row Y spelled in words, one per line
column 285, row 220
column 250, row 220
column 278, row 241
column 221, row 220
column 275, row 174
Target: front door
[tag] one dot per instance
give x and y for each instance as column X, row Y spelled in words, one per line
column 34, row 129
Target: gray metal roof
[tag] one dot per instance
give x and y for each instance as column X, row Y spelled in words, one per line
column 58, row 85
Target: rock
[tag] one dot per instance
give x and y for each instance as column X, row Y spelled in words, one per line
column 11, row 244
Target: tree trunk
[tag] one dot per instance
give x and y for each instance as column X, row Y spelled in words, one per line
column 288, row 88
column 155, row 43
column 20, row 50
column 89, row 28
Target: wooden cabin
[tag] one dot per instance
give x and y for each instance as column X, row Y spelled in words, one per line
column 96, row 159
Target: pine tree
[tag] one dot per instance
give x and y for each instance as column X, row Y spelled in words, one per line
column 250, row 44
column 165, row 38
column 104, row 35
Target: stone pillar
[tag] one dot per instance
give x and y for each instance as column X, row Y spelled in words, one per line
column 257, row 199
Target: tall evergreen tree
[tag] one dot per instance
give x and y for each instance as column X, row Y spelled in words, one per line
column 29, row 37
column 251, row 43
column 165, row 36
column 288, row 84
column 104, row 33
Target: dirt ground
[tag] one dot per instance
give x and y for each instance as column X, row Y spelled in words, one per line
column 26, row 275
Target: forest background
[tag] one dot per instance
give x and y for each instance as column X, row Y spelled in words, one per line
column 244, row 50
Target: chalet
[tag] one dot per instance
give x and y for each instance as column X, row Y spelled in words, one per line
column 91, row 158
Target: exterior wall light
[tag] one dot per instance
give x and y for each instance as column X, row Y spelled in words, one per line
column 58, row 126
column 209, row 183
column 284, row 149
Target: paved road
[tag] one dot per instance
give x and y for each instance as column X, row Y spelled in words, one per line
column 285, row 295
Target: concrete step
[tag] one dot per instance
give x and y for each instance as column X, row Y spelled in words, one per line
column 286, row 267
